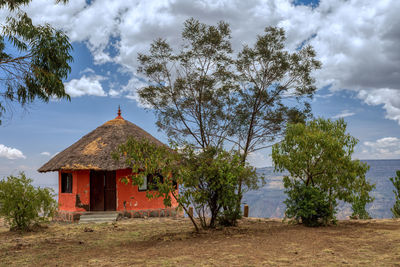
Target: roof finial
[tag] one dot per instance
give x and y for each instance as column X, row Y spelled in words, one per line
column 119, row 113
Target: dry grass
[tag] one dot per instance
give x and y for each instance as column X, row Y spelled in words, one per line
column 172, row 242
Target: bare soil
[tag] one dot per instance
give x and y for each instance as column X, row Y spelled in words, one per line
column 172, row 242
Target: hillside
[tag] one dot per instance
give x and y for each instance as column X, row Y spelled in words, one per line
column 171, row 242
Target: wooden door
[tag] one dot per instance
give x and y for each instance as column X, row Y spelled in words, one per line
column 97, row 191
column 102, row 191
column 110, row 191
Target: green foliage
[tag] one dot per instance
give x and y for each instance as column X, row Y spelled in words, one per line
column 41, row 61
column 396, row 183
column 191, row 90
column 358, row 206
column 209, row 179
column 24, row 205
column 318, row 153
column 269, row 74
column 360, row 198
column 210, row 182
column 307, row 204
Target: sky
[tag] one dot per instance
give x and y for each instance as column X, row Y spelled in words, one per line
column 356, row 41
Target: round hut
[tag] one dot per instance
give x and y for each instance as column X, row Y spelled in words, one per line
column 89, row 178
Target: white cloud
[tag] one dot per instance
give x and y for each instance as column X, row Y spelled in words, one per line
column 356, row 40
column 388, row 98
column 343, row 114
column 86, row 85
column 45, row 153
column 113, row 93
column 10, row 153
column 384, row 148
column 323, row 96
column 87, row 70
column 130, row 90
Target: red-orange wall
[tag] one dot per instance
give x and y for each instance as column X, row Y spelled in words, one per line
column 128, row 196
column 80, row 186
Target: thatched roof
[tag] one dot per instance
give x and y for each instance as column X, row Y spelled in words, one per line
column 93, row 151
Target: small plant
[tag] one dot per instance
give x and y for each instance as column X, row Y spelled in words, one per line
column 396, row 183
column 23, row 205
column 307, row 204
column 358, row 207
column 360, row 201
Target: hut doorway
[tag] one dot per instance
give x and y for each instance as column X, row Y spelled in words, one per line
column 102, row 191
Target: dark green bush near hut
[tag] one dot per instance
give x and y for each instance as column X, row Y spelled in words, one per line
column 23, row 205
column 308, row 205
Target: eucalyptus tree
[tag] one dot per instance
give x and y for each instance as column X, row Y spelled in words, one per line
column 34, row 59
column 204, row 94
column 191, row 90
column 275, row 87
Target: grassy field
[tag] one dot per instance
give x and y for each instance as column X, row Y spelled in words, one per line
column 172, row 242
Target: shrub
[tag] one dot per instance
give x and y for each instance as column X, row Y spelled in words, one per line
column 396, row 183
column 211, row 182
column 24, row 205
column 358, row 206
column 307, row 204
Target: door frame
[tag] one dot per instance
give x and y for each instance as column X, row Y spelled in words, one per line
column 107, row 190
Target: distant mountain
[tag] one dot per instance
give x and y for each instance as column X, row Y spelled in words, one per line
column 267, row 202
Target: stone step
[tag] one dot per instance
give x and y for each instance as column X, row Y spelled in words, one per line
column 99, row 217
column 96, row 221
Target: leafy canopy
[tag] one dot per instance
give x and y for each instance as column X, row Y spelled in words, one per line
column 206, row 95
column 270, row 78
column 34, row 59
column 191, row 90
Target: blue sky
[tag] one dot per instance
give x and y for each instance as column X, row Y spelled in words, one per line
column 355, row 40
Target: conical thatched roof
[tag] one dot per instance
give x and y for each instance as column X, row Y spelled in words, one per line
column 93, row 151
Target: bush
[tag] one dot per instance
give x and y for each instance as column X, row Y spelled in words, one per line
column 358, row 206
column 211, row 181
column 23, row 205
column 396, row 183
column 307, row 204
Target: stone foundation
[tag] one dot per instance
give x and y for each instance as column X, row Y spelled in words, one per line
column 67, row 216
column 74, row 216
column 168, row 212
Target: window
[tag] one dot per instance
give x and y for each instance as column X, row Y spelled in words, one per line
column 143, row 187
column 66, row 182
column 150, row 182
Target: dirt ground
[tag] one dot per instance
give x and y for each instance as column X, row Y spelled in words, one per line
column 172, row 242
